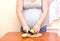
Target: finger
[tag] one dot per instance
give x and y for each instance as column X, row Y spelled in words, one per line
column 35, row 31
column 27, row 31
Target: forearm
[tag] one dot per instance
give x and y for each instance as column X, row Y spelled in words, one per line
column 42, row 19
column 21, row 18
column 45, row 10
column 19, row 12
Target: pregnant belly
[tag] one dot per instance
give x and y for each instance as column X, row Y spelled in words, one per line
column 32, row 16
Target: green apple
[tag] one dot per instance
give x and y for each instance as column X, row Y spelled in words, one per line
column 24, row 35
column 32, row 31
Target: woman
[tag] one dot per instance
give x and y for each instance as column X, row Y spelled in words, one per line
column 32, row 14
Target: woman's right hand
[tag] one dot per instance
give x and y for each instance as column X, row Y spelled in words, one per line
column 26, row 28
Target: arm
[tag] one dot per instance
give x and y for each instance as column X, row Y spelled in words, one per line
column 19, row 12
column 45, row 10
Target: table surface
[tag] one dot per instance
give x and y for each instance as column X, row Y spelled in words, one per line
column 16, row 36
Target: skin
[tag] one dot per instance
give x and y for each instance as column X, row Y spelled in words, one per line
column 37, row 26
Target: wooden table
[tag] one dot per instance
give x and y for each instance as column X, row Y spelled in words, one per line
column 16, row 36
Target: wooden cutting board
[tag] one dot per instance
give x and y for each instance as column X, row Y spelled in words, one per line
column 29, row 35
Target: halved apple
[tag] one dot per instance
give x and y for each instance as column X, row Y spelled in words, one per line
column 24, row 35
column 32, row 31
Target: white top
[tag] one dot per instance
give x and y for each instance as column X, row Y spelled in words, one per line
column 28, row 4
column 32, row 12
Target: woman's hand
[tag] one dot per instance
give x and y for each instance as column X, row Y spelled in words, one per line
column 26, row 28
column 36, row 28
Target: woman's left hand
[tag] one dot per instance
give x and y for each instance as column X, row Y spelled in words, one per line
column 36, row 28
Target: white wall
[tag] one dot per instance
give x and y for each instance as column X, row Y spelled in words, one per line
column 8, row 18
